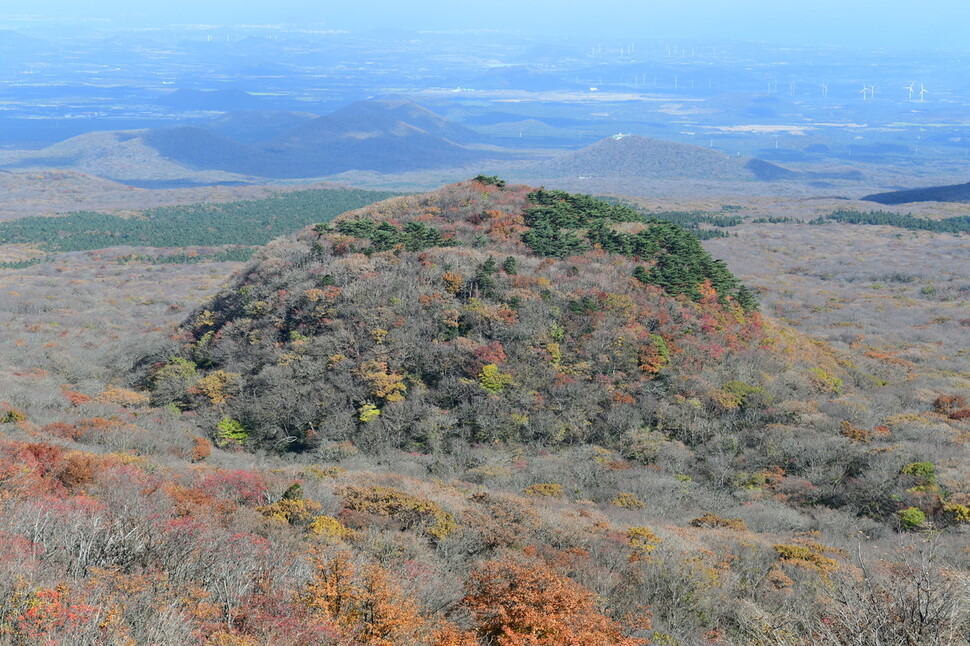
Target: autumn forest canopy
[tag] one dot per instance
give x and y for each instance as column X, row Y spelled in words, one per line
column 481, row 312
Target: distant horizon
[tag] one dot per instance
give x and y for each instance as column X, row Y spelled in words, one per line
column 891, row 25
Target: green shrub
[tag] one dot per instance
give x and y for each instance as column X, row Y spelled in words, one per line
column 924, row 472
column 911, row 518
column 493, row 380
column 368, row 412
column 737, row 393
column 230, row 431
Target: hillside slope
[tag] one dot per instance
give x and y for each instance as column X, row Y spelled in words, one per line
column 118, row 155
column 253, row 126
column 949, row 193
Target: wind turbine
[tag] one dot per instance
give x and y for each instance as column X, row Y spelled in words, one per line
column 864, row 91
column 922, row 91
column 872, row 91
column 910, row 88
column 791, row 88
column 825, row 90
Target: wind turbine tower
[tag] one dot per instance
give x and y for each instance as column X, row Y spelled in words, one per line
column 910, row 88
column 922, row 91
column 825, row 90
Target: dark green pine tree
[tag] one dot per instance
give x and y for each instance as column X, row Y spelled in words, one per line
column 609, row 240
column 385, row 236
column 483, row 278
column 722, row 280
column 746, row 299
column 418, row 236
column 511, row 266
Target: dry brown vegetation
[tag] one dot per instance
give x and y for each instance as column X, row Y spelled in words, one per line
column 892, row 302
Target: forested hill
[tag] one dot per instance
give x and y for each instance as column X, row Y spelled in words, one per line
column 478, row 312
column 486, row 314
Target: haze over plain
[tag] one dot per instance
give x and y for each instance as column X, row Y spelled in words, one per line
column 896, row 24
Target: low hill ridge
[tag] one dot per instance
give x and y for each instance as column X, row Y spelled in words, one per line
column 226, row 99
column 382, row 136
column 948, row 193
column 383, row 116
column 636, row 156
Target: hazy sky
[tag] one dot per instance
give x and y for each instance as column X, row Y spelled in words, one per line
column 869, row 23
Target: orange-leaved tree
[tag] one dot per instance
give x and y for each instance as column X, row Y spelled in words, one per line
column 529, row 604
column 364, row 603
